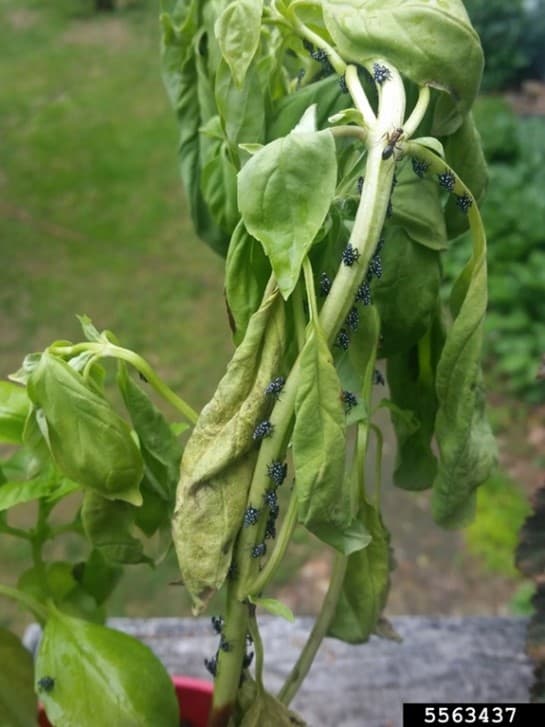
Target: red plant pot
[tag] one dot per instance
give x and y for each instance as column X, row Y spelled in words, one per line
column 194, row 698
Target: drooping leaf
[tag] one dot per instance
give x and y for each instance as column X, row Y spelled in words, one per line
column 88, row 440
column 101, row 676
column 466, row 443
column 109, row 525
column 14, row 408
column 184, row 85
column 159, row 446
column 366, row 583
column 237, row 31
column 18, row 704
column 325, row 497
column 411, row 379
column 218, row 459
column 406, row 294
column 284, row 193
column 431, row 43
column 247, row 270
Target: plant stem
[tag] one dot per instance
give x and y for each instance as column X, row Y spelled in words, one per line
column 26, row 600
column 359, row 96
column 283, row 540
column 418, row 112
column 321, row 625
column 110, row 350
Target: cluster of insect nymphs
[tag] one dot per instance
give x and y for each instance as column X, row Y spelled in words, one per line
column 350, row 256
column 225, row 645
column 446, row 180
column 320, row 56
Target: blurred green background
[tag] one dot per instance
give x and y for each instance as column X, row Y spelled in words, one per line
column 93, row 220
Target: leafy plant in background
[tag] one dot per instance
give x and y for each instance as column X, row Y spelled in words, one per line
column 329, row 153
column 515, row 326
column 512, row 33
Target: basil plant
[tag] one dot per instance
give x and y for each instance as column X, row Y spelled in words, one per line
column 329, row 154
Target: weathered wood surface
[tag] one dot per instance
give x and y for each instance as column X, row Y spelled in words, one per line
column 439, row 660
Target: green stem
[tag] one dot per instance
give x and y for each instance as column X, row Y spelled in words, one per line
column 14, row 532
column 229, row 663
column 299, row 315
column 347, row 130
column 259, row 652
column 26, row 600
column 359, row 96
column 321, row 625
column 333, row 57
column 110, row 350
column 418, row 112
column 282, row 541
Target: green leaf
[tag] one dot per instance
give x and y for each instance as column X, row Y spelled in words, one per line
column 430, row 43
column 101, row 676
column 247, row 271
column 366, row 583
column 160, row 449
column 97, row 576
column 88, row 440
column 30, row 363
column 277, row 608
column 14, row 408
column 319, row 442
column 466, row 444
column 287, row 112
column 411, row 379
column 237, row 31
column 218, row 460
column 16, row 493
column 189, row 91
column 89, row 331
column 108, row 524
column 417, row 208
column 412, row 274
column 242, row 109
column 18, row 705
column 284, row 192
column 218, row 177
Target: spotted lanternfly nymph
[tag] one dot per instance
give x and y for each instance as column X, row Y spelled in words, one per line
column 217, row 623
column 251, row 516
column 325, row 284
column 276, row 386
column 447, row 180
column 353, row 319
column 420, row 167
column 392, row 140
column 270, row 498
column 263, row 429
column 225, row 645
column 46, row 684
column 350, row 255
column 463, row 202
column 211, row 666
column 349, row 400
column 276, row 472
column 274, row 511
column 258, row 551
column 378, row 378
column 343, row 340
column 363, row 294
column 360, row 184
column 375, row 266
column 381, row 73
